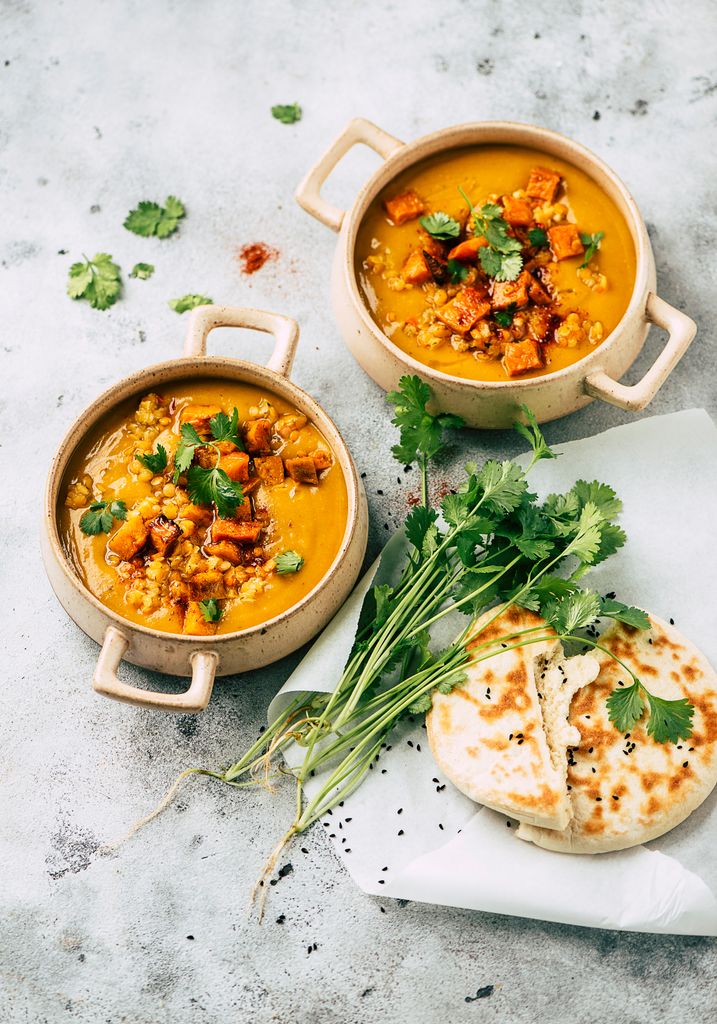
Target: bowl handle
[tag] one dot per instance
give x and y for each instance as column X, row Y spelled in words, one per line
column 308, row 194
column 106, row 681
column 680, row 329
column 203, row 319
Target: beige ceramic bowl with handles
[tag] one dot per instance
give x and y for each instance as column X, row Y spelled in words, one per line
column 484, row 403
column 204, row 658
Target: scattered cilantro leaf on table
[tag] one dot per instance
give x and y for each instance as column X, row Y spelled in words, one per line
column 154, row 461
column 440, row 226
column 210, row 610
column 97, row 280
column 152, row 219
column 592, row 244
column 100, row 516
column 142, row 271
column 288, row 562
column 287, row 113
column 189, row 301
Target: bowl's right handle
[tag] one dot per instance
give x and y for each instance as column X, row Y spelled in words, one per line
column 680, row 329
column 107, row 682
column 308, row 194
column 204, row 319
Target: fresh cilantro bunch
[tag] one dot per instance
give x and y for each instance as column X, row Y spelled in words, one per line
column 502, row 257
column 189, row 301
column 152, row 219
column 210, row 485
column 100, row 516
column 97, row 280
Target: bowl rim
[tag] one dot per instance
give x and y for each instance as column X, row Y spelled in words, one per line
column 532, row 136
column 180, row 368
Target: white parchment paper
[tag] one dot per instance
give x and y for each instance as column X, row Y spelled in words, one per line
column 407, row 833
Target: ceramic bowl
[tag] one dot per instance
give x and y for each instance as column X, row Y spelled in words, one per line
column 204, row 658
column 483, row 403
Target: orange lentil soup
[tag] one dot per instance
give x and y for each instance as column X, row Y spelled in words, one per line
column 160, row 551
column 513, row 288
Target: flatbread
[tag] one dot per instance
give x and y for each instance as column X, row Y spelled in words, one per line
column 490, row 735
column 627, row 789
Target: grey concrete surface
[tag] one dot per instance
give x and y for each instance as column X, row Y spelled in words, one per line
column 103, row 104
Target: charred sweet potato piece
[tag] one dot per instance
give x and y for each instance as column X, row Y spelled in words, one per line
column 467, row 251
column 466, row 309
column 235, row 531
column 130, row 538
column 258, row 435
column 270, row 468
column 290, row 422
column 199, row 416
column 511, row 293
column 543, row 184
column 243, row 512
column 302, row 469
column 195, row 623
column 179, row 591
column 198, row 515
column 206, row 456
column 226, row 549
column 518, row 212
column 521, row 356
column 250, row 485
column 406, row 206
column 415, row 269
column 163, row 534
column 322, row 459
column 207, row 584
column 565, row 241
column 236, row 466
column 538, row 293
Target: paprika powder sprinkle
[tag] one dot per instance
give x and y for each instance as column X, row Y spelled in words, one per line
column 254, row 256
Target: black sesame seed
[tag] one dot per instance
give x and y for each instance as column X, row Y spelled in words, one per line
column 381, row 881
column 280, row 919
column 385, row 869
column 418, row 747
column 598, row 798
column 440, row 826
column 685, row 763
column 382, row 909
column 400, row 810
column 672, row 622
column 400, row 832
column 379, row 492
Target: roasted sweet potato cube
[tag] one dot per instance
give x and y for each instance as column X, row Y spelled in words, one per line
column 270, row 468
column 467, row 251
column 538, row 293
column 163, row 534
column 543, row 184
column 540, row 323
column 302, row 469
column 466, row 309
column 195, row 623
column 209, row 583
column 258, row 435
column 199, row 416
column 226, row 549
column 236, row 466
column 250, row 485
column 243, row 512
column 518, row 212
column 565, row 241
column 130, row 538
column 290, row 422
column 521, row 356
column 415, row 269
column 179, row 591
column 206, row 456
column 511, row 293
column 322, row 459
column 235, row 531
column 198, row 515
column 406, row 206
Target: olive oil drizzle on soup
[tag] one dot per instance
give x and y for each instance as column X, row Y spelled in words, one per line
column 432, row 296
column 175, row 564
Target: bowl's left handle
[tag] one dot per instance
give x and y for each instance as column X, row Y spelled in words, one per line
column 308, row 194
column 204, row 319
column 107, row 682
column 680, row 329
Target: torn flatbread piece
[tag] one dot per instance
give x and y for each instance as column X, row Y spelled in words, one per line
column 501, row 736
column 626, row 788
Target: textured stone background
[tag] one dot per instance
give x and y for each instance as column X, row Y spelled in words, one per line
column 103, row 104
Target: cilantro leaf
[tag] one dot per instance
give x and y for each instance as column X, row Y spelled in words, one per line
column 572, row 611
column 612, row 538
column 586, row 542
column 287, row 113
column 592, row 244
column 207, row 486
column 421, row 431
column 152, row 219
column 224, row 428
column 457, row 271
column 142, row 271
column 100, row 515
column 288, row 562
column 534, row 435
column 418, row 522
column 503, row 485
column 625, row 706
column 210, row 610
column 670, row 720
column 504, row 317
column 440, row 226
column 421, row 704
column 635, row 617
column 189, row 301
column 97, row 280
column 156, row 462
column 601, row 495
column 538, row 238
column 184, row 454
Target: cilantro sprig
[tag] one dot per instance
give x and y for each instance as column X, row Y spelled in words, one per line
column 288, row 562
column 100, row 516
column 154, row 461
column 440, row 226
column 669, row 721
column 189, row 301
column 502, row 257
column 210, row 610
column 287, row 113
column 98, row 280
column 149, row 218
column 142, row 271
column 207, row 485
column 592, row 244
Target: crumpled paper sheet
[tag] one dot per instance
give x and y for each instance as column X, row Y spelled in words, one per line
column 412, row 836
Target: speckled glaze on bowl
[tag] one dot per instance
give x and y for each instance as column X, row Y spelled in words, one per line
column 487, row 403
column 228, row 653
